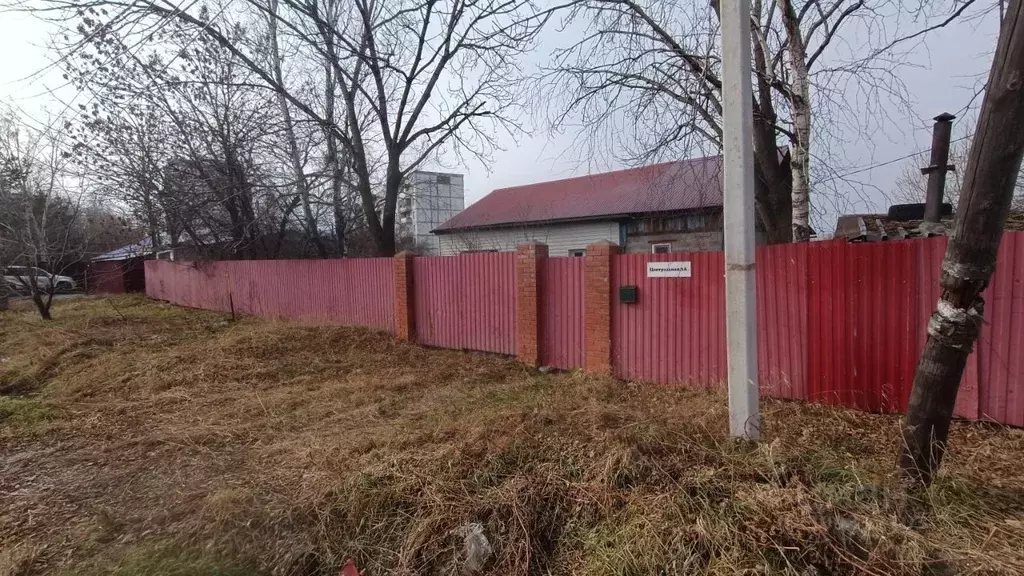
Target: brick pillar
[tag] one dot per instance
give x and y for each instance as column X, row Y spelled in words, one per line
column 529, row 258
column 598, row 306
column 405, row 325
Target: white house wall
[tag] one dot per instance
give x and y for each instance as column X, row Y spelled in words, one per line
column 560, row 238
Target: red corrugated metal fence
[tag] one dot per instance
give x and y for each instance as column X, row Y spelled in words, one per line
column 861, row 322
column 562, row 294
column 466, row 302
column 1000, row 351
column 351, row 291
column 838, row 323
column 782, row 320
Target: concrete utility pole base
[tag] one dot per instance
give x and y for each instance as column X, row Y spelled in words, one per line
column 740, row 302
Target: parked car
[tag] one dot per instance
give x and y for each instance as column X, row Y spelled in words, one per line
column 20, row 278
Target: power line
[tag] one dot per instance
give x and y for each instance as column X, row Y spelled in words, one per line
column 886, row 163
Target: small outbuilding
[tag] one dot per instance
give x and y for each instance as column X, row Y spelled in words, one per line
column 120, row 271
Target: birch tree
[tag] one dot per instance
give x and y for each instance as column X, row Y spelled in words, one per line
column 651, row 68
column 800, row 108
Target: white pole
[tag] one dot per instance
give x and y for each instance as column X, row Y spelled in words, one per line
column 740, row 303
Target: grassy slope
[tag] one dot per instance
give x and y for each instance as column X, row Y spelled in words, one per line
column 138, row 438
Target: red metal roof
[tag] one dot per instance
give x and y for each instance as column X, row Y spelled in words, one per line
column 667, row 187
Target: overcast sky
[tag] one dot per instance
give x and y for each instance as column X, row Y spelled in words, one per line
column 942, row 74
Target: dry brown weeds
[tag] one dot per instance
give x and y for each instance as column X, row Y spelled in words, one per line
column 177, row 445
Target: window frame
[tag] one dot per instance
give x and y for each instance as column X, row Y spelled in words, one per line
column 656, row 245
column 577, row 252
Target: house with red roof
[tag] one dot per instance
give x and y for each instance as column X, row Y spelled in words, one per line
column 668, row 207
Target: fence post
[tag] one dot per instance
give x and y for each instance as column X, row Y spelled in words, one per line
column 598, row 306
column 529, row 259
column 405, row 317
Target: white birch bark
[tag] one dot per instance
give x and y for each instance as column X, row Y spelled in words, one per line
column 800, row 108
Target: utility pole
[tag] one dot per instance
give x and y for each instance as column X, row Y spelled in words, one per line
column 989, row 179
column 936, row 172
column 740, row 303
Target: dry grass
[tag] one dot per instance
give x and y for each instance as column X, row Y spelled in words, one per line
column 163, row 442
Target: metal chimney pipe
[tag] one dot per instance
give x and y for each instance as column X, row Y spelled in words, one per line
column 938, row 167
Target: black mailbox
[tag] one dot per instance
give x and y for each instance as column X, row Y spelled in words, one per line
column 627, row 294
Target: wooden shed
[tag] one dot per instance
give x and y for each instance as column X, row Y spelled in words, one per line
column 120, row 271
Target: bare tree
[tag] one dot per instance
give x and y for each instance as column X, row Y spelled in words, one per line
column 651, row 68
column 179, row 133
column 337, row 160
column 989, row 181
column 435, row 76
column 302, row 185
column 41, row 231
column 799, row 97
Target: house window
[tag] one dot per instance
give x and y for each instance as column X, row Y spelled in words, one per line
column 579, row 252
column 444, row 179
column 683, row 223
column 661, row 248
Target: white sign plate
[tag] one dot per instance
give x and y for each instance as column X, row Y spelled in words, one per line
column 668, row 270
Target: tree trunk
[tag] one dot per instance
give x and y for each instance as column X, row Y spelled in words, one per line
column 772, row 197
column 340, row 216
column 992, row 168
column 334, row 162
column 43, row 306
column 392, row 188
column 800, row 108
column 301, row 184
column 772, row 183
column 152, row 217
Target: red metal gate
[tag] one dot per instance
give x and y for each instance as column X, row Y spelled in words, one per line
column 466, row 302
column 675, row 332
column 562, row 314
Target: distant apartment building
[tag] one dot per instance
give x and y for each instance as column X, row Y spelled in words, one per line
column 429, row 200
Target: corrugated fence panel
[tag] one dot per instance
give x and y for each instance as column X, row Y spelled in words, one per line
column 155, row 281
column 782, row 320
column 562, row 313
column 675, row 332
column 466, row 301
column 862, row 307
column 436, row 296
column 1001, row 347
column 375, row 306
column 189, row 284
column 489, row 285
column 357, row 291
